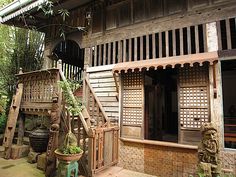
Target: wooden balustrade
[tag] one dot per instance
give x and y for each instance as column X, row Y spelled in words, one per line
column 94, row 106
column 103, row 148
column 71, row 72
column 226, row 34
column 176, row 42
column 39, row 88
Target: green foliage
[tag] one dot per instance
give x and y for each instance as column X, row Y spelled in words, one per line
column 64, row 13
column 47, row 8
column 222, row 175
column 3, row 120
column 70, row 150
column 73, row 106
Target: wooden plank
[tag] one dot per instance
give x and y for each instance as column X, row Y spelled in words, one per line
column 21, row 129
column 196, row 38
column 147, row 47
column 101, row 80
column 100, row 55
column 105, row 89
column 174, row 42
column 219, row 35
column 167, row 43
column 109, row 53
column 135, row 48
column 114, row 53
column 111, row 109
column 124, row 50
column 114, row 104
column 100, row 75
column 108, row 152
column 153, row 46
column 104, row 54
column 181, row 41
column 141, row 48
column 130, row 49
column 189, row 39
column 119, row 52
column 101, row 85
column 204, row 37
column 11, row 121
column 160, row 45
column 108, row 99
column 228, row 34
column 102, row 94
column 100, row 68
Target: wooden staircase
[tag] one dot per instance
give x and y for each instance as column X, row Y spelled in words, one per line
column 106, row 87
column 96, row 135
column 12, row 120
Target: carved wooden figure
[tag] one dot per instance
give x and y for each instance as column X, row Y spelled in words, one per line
column 53, row 137
column 208, row 151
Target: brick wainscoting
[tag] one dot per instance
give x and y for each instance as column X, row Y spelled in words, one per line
column 161, row 161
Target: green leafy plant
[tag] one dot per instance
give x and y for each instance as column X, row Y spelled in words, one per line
column 74, row 106
column 70, row 150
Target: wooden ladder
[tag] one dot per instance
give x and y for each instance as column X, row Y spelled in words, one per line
column 12, row 120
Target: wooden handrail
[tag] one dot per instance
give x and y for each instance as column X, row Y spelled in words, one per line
column 96, row 99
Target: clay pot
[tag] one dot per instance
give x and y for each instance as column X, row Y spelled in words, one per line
column 39, row 139
column 67, row 157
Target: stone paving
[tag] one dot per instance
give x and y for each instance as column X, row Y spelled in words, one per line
column 21, row 168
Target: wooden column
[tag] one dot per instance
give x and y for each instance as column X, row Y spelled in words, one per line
column 147, row 47
column 21, row 129
column 189, row 40
column 216, row 103
column 174, row 42
column 141, row 48
column 196, row 38
column 124, row 50
column 114, row 53
column 228, row 34
column 135, row 48
column 153, row 46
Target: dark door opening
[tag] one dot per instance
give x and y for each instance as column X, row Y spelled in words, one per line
column 72, row 57
column 161, row 110
column 229, row 102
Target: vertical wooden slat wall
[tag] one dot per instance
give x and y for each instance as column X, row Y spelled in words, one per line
column 175, row 42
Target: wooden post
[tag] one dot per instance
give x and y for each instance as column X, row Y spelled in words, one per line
column 21, row 129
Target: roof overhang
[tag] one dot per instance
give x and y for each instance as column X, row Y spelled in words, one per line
column 163, row 63
column 10, row 13
column 17, row 8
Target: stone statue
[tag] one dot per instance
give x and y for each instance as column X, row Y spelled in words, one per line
column 208, row 151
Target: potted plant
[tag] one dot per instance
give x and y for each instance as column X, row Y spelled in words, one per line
column 69, row 151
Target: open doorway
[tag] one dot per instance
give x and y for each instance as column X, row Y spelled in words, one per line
column 229, row 102
column 161, row 106
column 72, row 57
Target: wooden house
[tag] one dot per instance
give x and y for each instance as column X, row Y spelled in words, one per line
column 158, row 68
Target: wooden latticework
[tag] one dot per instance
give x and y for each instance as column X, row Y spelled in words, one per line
column 193, row 96
column 132, row 99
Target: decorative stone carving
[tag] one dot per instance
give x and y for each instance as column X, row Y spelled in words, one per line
column 208, row 151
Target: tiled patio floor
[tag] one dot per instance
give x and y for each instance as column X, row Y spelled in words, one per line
column 21, row 168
